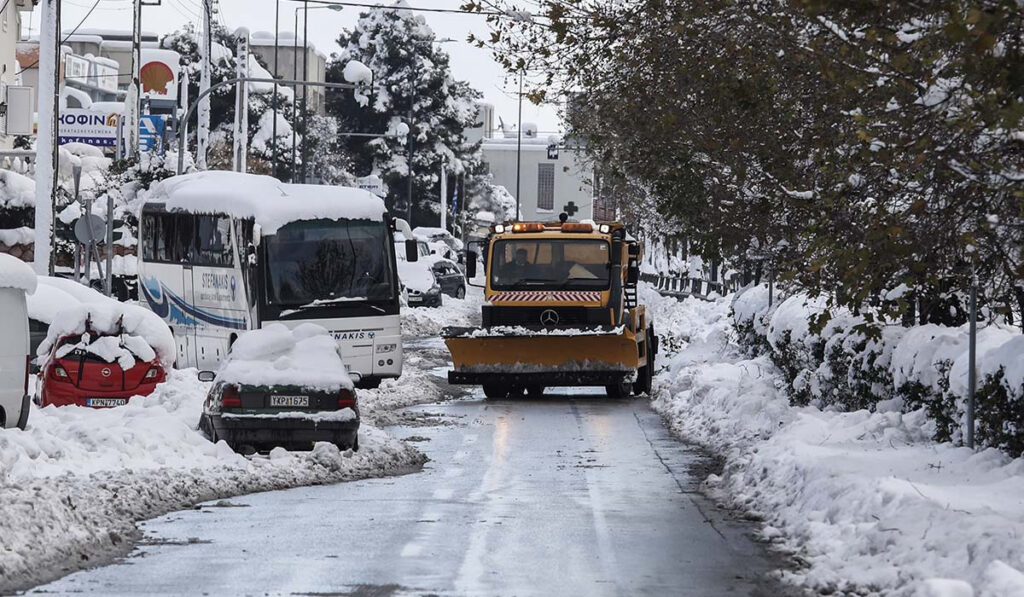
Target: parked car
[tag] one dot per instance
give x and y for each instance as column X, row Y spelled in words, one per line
column 441, row 241
column 282, row 387
column 446, row 273
column 449, row 277
column 102, row 354
column 16, row 280
column 419, row 286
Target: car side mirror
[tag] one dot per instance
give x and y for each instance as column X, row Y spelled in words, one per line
column 412, row 251
column 207, row 376
column 470, row 264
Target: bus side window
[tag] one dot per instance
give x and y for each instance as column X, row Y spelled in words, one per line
column 214, row 240
column 158, row 237
column 184, row 238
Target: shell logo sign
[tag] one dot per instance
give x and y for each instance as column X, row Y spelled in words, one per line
column 155, row 77
column 159, row 74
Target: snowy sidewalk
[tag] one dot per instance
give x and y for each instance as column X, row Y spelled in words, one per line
column 73, row 485
column 867, row 500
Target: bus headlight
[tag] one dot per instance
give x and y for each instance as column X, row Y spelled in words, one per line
column 384, row 348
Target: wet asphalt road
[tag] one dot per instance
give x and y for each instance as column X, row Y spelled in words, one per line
column 568, row 495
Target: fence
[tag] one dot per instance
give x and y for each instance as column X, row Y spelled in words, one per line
column 682, row 287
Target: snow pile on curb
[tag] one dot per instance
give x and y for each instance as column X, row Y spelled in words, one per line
column 426, row 322
column 867, row 500
column 74, row 484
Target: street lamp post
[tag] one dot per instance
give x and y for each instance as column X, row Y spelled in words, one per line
column 277, row 74
column 305, row 77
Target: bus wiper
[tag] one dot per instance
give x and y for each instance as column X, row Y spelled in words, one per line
column 326, row 302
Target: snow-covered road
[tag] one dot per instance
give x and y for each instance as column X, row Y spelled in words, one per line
column 569, row 495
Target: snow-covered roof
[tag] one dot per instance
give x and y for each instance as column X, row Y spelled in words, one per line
column 269, row 201
column 306, row 356
column 15, row 273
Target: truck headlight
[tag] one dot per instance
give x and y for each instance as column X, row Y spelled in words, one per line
column 383, row 348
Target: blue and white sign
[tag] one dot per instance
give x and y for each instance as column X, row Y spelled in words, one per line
column 92, row 127
column 151, row 132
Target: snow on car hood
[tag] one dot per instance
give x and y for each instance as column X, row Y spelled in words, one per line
column 416, row 275
column 306, row 356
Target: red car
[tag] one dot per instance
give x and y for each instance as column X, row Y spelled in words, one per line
column 91, row 369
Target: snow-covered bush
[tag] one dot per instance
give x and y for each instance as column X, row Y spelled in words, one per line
column 832, row 358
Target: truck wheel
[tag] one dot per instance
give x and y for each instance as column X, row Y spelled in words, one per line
column 493, row 390
column 645, row 375
column 621, row 389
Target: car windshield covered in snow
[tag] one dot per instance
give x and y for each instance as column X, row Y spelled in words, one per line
column 313, row 261
column 550, row 263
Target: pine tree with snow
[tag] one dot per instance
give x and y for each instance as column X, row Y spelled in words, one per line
column 411, row 83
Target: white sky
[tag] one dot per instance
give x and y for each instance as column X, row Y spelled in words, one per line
column 468, row 63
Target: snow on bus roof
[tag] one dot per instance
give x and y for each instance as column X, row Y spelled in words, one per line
column 269, row 201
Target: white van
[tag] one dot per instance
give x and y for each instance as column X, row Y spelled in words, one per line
column 16, row 280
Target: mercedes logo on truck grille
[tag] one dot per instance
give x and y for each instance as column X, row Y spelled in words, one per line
column 549, row 318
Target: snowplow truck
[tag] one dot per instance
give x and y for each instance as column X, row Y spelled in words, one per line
column 561, row 309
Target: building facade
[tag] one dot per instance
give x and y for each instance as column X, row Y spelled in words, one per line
column 549, row 176
column 290, row 65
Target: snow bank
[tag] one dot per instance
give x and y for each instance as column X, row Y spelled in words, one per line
column 15, row 273
column 73, row 485
column 135, row 326
column 269, row 201
column 277, row 356
column 868, row 500
column 16, row 190
column 427, row 322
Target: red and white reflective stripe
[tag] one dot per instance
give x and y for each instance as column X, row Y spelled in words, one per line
column 542, row 296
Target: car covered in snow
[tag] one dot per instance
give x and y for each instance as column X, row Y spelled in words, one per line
column 282, row 387
column 52, row 295
column 16, row 280
column 447, row 277
column 102, row 354
column 441, row 242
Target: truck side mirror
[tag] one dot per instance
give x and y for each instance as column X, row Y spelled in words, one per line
column 470, row 264
column 412, row 251
column 632, row 273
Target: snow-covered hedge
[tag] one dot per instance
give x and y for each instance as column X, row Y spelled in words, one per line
column 852, row 364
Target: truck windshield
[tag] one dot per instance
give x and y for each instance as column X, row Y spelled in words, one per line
column 550, row 263
column 328, row 261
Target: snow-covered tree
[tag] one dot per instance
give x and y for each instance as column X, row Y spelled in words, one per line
column 411, row 84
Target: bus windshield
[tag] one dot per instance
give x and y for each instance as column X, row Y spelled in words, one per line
column 550, row 264
column 328, row 261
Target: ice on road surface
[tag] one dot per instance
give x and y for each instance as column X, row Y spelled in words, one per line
column 570, row 495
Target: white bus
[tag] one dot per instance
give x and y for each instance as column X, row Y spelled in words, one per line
column 223, row 252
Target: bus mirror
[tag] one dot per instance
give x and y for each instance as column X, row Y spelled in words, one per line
column 470, row 264
column 412, row 251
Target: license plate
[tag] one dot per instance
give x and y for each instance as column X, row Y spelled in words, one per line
column 290, row 401
column 106, row 402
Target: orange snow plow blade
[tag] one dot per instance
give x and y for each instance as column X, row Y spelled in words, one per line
column 583, row 357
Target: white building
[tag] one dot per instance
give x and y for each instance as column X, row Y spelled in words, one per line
column 10, row 34
column 552, row 178
column 292, row 62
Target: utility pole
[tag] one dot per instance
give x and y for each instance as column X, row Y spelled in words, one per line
column 240, row 138
column 203, row 127
column 408, row 193
column 295, row 95
column 444, row 196
column 183, row 101
column 135, row 93
column 46, row 135
column 305, row 88
column 519, row 142
column 277, row 74
column 972, row 360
